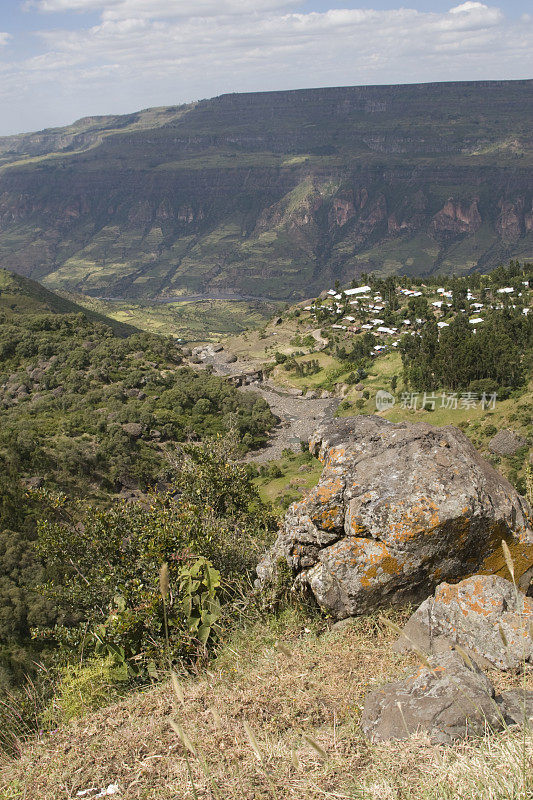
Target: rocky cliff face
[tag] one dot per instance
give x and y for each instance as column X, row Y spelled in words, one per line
column 274, row 194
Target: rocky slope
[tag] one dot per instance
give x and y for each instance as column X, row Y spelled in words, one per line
column 273, row 194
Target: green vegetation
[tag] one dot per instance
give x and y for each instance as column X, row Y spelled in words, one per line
column 283, row 481
column 193, row 320
column 91, row 411
column 85, row 416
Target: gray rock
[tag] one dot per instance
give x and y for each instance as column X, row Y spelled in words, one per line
column 133, row 429
column 484, row 614
column 506, row 443
column 399, row 508
column 517, row 706
column 448, row 702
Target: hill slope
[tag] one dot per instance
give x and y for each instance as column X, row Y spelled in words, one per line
column 273, row 194
column 23, row 296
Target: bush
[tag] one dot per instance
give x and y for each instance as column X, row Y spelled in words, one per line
column 212, row 523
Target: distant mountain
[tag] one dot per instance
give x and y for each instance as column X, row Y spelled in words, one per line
column 274, row 194
column 23, row 296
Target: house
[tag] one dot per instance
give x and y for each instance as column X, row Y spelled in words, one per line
column 475, row 321
column 357, row 290
column 442, row 325
column 506, row 290
column 377, row 321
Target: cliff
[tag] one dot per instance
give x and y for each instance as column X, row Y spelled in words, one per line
column 273, row 194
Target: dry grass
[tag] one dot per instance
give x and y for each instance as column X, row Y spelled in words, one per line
column 297, row 699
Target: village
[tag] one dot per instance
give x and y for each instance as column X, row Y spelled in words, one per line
column 361, row 309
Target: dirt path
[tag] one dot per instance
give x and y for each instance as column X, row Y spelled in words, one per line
column 299, row 416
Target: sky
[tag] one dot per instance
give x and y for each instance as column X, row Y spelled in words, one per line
column 65, row 59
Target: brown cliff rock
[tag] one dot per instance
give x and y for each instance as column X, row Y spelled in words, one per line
column 457, row 217
column 399, row 508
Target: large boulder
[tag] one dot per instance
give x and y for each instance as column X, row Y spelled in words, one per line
column 484, row 614
column 506, row 443
column 399, row 508
column 447, row 701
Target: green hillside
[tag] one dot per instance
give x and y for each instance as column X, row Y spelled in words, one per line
column 270, row 195
column 23, row 296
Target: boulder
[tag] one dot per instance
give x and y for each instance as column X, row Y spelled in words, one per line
column 484, row 614
column 399, row 508
column 506, row 443
column 448, row 701
column 133, row 429
column 517, row 706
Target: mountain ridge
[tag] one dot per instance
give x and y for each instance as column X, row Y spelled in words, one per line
column 275, row 193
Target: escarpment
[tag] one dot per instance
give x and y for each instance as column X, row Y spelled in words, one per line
column 273, row 194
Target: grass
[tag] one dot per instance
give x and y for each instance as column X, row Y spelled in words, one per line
column 299, row 471
column 197, row 320
column 298, row 687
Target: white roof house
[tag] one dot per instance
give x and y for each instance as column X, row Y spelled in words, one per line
column 475, row 320
column 442, row 325
column 367, row 327
column 506, row 290
column 377, row 321
column 383, row 329
column 358, row 290
column 437, row 303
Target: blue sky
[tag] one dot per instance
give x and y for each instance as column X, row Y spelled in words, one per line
column 63, row 59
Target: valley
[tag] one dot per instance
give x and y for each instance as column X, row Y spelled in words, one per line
column 266, row 416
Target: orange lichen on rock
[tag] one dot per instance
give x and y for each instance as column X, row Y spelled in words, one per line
column 335, row 456
column 421, row 517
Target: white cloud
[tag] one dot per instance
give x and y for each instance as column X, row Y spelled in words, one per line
column 4, row 38
column 157, row 9
column 155, row 52
column 469, row 6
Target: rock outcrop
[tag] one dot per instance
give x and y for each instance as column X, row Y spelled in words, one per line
column 447, row 700
column 484, row 614
column 399, row 508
